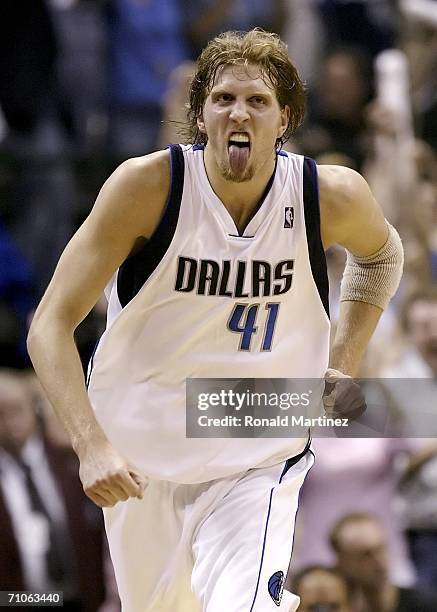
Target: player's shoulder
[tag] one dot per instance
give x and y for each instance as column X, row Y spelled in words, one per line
column 147, row 175
column 347, row 206
column 340, row 188
column 134, row 196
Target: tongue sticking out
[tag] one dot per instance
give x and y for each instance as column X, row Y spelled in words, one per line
column 238, row 157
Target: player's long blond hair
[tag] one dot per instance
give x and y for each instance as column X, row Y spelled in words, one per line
column 263, row 49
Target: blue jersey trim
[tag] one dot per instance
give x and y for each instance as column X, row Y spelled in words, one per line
column 239, row 236
column 137, row 268
column 312, row 225
column 293, row 460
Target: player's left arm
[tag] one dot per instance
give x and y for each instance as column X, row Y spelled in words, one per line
column 352, row 218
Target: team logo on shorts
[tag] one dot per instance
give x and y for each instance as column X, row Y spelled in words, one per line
column 276, row 587
column 288, row 217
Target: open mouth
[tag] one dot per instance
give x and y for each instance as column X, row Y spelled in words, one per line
column 240, row 140
column 239, row 152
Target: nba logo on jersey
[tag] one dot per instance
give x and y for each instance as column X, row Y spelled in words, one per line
column 288, row 217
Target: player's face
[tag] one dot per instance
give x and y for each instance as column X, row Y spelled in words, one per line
column 242, row 119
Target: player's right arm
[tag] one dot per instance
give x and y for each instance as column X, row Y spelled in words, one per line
column 127, row 209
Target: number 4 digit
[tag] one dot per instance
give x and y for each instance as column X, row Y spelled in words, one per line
column 247, row 328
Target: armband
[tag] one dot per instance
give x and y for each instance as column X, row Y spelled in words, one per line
column 375, row 278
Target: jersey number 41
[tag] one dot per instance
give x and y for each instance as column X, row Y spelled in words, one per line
column 243, row 321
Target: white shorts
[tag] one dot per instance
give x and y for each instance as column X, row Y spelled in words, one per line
column 219, row 546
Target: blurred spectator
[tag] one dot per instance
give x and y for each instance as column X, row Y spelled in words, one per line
column 371, row 24
column 81, row 55
column 27, row 59
column 321, row 589
column 17, row 301
column 51, row 533
column 391, row 170
column 419, row 41
column 36, row 140
column 402, row 170
column 337, row 108
column 420, row 10
column 305, row 37
column 359, row 543
column 418, row 488
column 419, row 322
column 146, row 42
column 207, row 18
column 351, row 475
column 424, row 211
column 175, row 104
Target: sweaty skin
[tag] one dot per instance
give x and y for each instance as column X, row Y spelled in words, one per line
column 129, row 207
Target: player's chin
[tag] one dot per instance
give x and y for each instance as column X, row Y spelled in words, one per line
column 241, row 178
column 238, row 177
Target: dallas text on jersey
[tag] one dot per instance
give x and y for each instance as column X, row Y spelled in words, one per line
column 209, row 277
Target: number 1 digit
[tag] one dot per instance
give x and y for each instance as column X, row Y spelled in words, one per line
column 269, row 329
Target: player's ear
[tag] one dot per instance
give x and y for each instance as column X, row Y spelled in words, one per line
column 285, row 118
column 201, row 124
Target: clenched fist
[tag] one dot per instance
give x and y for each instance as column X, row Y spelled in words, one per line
column 342, row 396
column 107, row 477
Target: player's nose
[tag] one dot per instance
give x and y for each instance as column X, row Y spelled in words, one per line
column 239, row 111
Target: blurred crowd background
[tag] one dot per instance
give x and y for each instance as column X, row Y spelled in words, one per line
column 85, row 84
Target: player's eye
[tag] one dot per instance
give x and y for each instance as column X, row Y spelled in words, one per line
column 259, row 100
column 224, row 97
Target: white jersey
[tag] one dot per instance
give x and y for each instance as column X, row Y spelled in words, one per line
column 179, row 309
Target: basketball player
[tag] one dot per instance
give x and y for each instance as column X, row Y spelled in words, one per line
column 207, row 276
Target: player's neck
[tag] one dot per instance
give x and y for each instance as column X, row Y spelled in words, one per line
column 239, row 198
